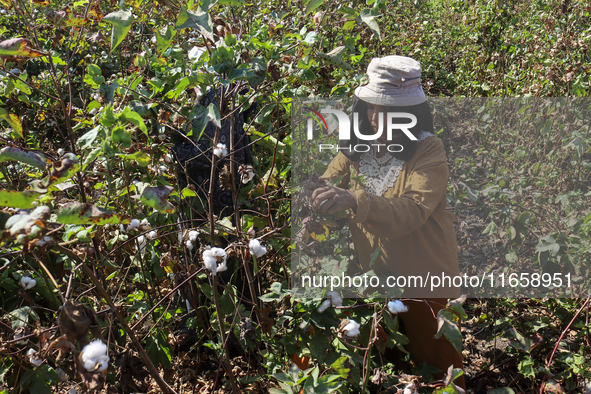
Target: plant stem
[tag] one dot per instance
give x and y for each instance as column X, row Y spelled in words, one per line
column 226, row 361
column 138, row 347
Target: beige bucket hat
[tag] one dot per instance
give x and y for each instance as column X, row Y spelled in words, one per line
column 393, row 81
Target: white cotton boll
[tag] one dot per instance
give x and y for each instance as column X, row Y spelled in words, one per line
column 60, row 152
column 34, row 357
column 141, row 240
column 410, row 389
column 247, row 177
column 210, row 261
column 219, row 252
column 121, row 228
column 154, row 40
column 335, row 298
column 162, row 170
column 193, row 235
column 220, row 150
column 94, row 356
column 397, row 306
column 40, row 243
column 324, row 306
column 135, row 223
column 189, row 245
column 352, row 329
column 167, row 158
column 222, row 267
column 28, row 283
column 152, row 235
column 145, row 225
column 256, row 248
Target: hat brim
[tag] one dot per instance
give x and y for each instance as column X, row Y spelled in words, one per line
column 392, row 97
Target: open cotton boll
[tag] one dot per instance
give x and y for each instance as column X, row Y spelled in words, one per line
column 28, row 283
column 141, row 241
column 135, row 223
column 212, row 256
column 397, row 306
column 60, row 152
column 210, row 261
column 220, row 150
column 34, row 357
column 256, row 248
column 94, row 356
column 189, row 245
column 193, row 235
column 410, row 389
column 145, row 225
column 167, row 158
column 152, row 234
column 335, row 298
column 352, row 329
column 324, row 306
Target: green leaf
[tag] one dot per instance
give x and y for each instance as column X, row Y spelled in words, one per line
column 134, row 118
column 334, row 58
column 78, row 213
column 14, row 199
column 277, row 293
column 18, row 47
column 450, row 330
column 121, row 21
column 120, row 136
column 548, row 244
column 368, row 16
column 13, row 121
column 199, row 20
column 20, row 317
column 159, row 349
column 31, row 158
column 339, row 367
column 490, row 229
column 87, row 139
column 311, row 5
column 164, row 37
column 214, row 115
column 155, row 197
column 142, row 158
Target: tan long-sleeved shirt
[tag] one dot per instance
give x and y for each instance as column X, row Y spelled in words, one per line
column 409, row 221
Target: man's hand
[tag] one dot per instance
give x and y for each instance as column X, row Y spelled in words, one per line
column 330, row 199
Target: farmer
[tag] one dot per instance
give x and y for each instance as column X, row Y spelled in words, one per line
column 400, row 203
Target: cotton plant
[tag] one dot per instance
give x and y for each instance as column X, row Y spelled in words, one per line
column 94, row 356
column 332, row 298
column 211, row 258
